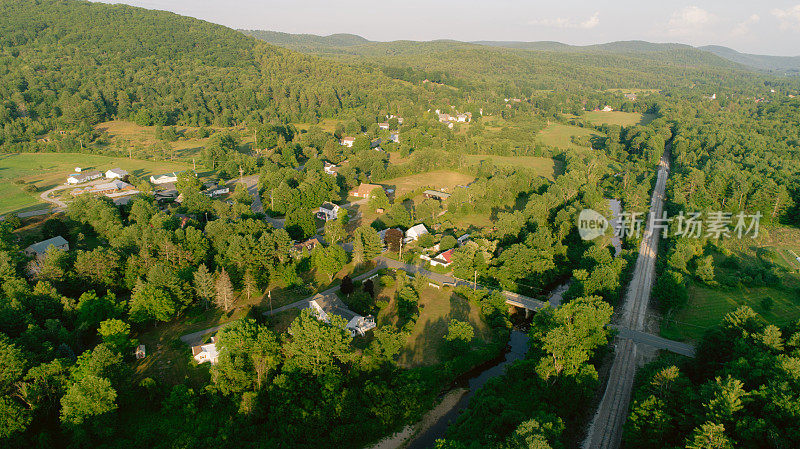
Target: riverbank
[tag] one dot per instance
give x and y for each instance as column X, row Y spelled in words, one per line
column 399, row 439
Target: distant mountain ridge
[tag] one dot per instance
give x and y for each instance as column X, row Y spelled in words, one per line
column 354, row 44
column 789, row 65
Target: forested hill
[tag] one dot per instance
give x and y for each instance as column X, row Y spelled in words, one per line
column 780, row 65
column 66, row 65
column 306, row 40
column 518, row 71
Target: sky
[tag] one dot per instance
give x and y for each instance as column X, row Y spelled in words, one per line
column 764, row 27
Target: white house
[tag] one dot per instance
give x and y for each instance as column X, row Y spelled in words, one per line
column 328, row 211
column 117, row 173
column 415, row 232
column 347, row 141
column 607, row 109
column 207, row 352
column 166, row 178
column 359, row 325
column 383, row 125
column 78, row 178
column 38, row 249
column 394, row 137
column 324, row 306
column 330, row 168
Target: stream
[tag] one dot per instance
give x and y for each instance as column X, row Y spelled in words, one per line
column 473, row 380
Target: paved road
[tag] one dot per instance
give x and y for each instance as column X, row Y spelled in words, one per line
column 655, row 341
column 605, row 431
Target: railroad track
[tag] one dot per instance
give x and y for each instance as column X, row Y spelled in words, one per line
column 605, row 431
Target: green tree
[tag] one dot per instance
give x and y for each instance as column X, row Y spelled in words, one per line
column 569, row 335
column 88, row 397
column 204, row 285
column 317, row 346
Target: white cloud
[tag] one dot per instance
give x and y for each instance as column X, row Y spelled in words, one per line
column 743, row 28
column 789, row 18
column 561, row 22
column 689, row 20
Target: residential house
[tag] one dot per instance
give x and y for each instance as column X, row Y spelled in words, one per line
column 330, row 168
column 328, row 211
column 631, row 97
column 442, row 260
column 207, row 352
column 607, row 109
column 383, row 125
column 364, row 190
column 116, row 173
column 415, row 232
column 85, row 176
column 166, row 178
column 399, row 119
column 394, row 137
column 375, row 143
column 303, row 248
column 39, row 249
column 463, row 239
column 166, row 195
column 467, row 117
column 347, row 142
column 325, row 306
column 436, row 195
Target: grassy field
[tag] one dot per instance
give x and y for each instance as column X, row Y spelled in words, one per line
column 437, row 180
column 327, row 125
column 707, row 306
column 437, row 307
column 560, row 136
column 544, row 166
column 48, row 170
column 618, row 118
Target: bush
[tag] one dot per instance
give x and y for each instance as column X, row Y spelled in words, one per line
column 767, row 303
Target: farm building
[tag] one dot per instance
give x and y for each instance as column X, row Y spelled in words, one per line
column 364, row 190
column 436, row 195
column 166, row 178
column 81, row 177
column 38, row 249
column 108, row 188
column 116, row 173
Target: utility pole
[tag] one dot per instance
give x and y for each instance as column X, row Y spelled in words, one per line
column 271, row 200
column 475, row 281
column 269, row 295
column 194, row 166
column 401, row 248
column 241, row 173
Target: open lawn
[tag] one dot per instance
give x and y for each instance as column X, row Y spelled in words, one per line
column 560, row 136
column 437, row 180
column 618, row 118
column 48, row 170
column 544, row 166
column 426, row 344
column 707, row 307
